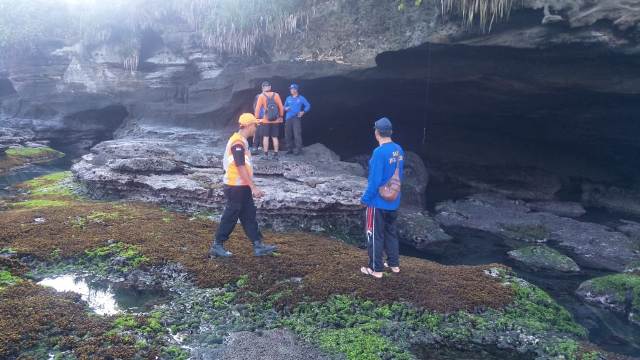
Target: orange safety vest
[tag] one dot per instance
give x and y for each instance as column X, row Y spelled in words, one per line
column 232, row 175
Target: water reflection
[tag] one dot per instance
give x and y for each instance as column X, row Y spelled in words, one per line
column 101, row 301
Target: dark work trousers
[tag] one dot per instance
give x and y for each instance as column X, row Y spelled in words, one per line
column 293, row 134
column 239, row 205
column 382, row 237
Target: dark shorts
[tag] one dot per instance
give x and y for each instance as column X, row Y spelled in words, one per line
column 271, row 130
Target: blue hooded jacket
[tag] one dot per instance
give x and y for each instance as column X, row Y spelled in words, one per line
column 382, row 165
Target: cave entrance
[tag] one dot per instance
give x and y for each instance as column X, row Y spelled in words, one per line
column 562, row 111
column 84, row 129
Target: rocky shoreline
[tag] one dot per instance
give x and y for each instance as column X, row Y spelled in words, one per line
column 216, row 308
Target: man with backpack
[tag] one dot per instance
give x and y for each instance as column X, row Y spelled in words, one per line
column 256, row 144
column 382, row 198
column 296, row 107
column 269, row 111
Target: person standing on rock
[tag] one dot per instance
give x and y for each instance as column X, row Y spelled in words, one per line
column 382, row 198
column 296, row 106
column 239, row 191
column 257, row 137
column 270, row 111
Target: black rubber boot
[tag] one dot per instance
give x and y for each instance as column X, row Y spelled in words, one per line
column 217, row 250
column 260, row 249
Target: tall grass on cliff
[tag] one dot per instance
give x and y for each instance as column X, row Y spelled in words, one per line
column 235, row 27
column 482, row 12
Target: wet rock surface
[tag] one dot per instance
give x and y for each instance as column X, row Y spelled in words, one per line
column 566, row 209
column 271, row 344
column 625, row 201
column 183, row 168
column 543, row 258
column 418, row 229
column 619, row 293
column 590, row 244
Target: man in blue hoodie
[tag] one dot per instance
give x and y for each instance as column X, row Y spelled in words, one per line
column 296, row 106
column 382, row 214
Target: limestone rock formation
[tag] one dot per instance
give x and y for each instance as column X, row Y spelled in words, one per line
column 591, row 245
column 315, row 191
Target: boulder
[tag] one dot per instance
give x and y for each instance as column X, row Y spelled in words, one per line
column 513, row 182
column 591, row 245
column 144, row 165
column 315, row 191
column 560, row 208
column 543, row 258
column 619, row 293
column 612, row 198
column 418, row 229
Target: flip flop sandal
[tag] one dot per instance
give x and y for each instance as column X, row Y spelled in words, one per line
column 392, row 270
column 367, row 271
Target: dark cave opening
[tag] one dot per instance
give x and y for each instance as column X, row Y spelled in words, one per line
column 86, row 128
column 568, row 112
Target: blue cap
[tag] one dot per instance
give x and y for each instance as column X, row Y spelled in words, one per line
column 266, row 83
column 383, row 124
column 294, row 86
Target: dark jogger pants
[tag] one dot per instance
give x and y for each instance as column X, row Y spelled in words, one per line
column 239, row 205
column 382, row 237
column 293, row 134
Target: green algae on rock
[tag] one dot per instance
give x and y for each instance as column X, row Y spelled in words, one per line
column 544, row 258
column 19, row 156
column 619, row 293
column 534, row 324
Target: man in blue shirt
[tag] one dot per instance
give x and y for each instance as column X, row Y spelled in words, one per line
column 382, row 214
column 296, row 106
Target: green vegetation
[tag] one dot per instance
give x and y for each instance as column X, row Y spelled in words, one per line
column 7, row 279
column 567, row 348
column 529, row 233
column 620, row 285
column 544, row 257
column 50, row 185
column 33, row 152
column 153, row 324
column 591, row 355
column 177, row 353
column 99, row 257
column 224, row 25
column 8, row 251
column 353, row 327
column 223, row 300
column 378, row 331
column 535, row 310
column 360, row 344
column 125, row 322
column 40, row 203
column 242, row 281
column 96, row 217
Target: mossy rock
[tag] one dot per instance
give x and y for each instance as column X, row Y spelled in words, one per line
column 33, row 153
column 15, row 157
column 535, row 233
column 619, row 293
column 544, row 258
